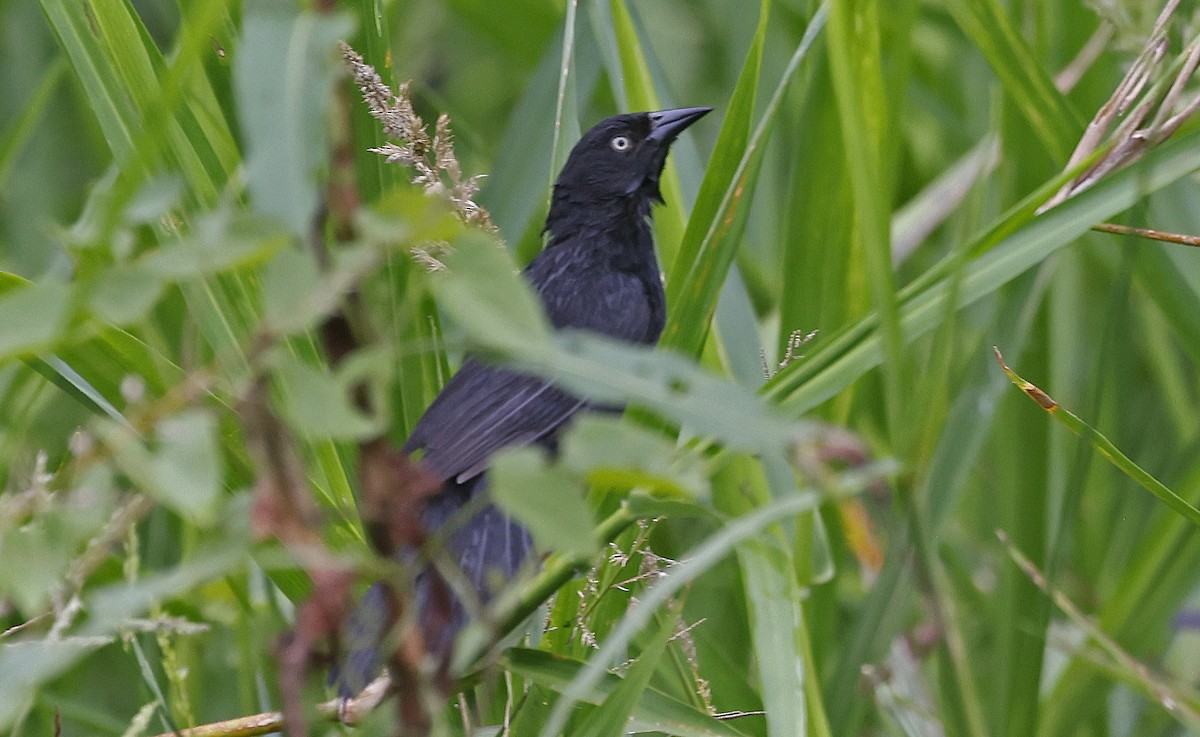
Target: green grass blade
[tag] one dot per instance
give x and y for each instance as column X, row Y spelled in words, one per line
column 374, row 174
column 192, row 137
column 612, row 714
column 1103, row 445
column 97, row 74
column 718, row 177
column 1153, row 585
column 637, row 84
column 858, row 349
column 1183, row 706
column 564, row 100
column 773, row 599
column 654, row 710
column 281, row 80
column 709, row 554
column 699, row 280
column 857, row 67
column 987, row 24
column 538, row 138
column 20, row 129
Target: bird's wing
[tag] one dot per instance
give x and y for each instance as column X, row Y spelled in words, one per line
column 481, row 410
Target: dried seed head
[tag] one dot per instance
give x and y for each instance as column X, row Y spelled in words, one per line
column 436, row 167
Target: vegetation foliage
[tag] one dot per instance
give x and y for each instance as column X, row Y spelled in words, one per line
column 830, row 511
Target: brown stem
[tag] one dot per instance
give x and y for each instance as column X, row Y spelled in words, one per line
column 1155, row 235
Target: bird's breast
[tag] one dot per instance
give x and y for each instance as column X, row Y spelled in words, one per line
column 595, row 294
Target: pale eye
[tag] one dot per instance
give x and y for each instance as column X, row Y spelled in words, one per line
column 620, row 143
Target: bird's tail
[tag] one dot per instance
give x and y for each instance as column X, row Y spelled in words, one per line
column 490, row 549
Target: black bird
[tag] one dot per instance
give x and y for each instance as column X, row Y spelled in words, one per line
column 598, row 272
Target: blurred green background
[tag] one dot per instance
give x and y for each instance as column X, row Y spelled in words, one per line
column 871, row 173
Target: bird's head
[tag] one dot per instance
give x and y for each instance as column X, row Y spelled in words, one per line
column 623, row 156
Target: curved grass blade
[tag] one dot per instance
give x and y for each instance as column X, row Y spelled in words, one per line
column 61, row 374
column 1102, row 445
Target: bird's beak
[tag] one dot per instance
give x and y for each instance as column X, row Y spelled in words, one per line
column 665, row 125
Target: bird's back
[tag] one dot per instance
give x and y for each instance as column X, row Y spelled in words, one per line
column 586, row 281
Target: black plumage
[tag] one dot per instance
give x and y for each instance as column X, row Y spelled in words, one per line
column 598, row 272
